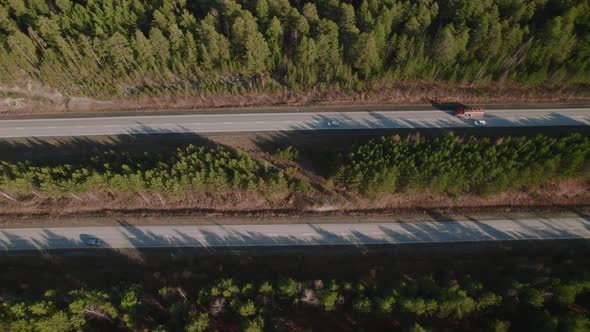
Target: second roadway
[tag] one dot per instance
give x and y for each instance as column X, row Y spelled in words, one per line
column 358, row 234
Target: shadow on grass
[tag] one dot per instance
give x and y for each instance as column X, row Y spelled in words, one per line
column 72, row 149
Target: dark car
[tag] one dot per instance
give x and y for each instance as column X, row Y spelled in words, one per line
column 94, row 242
column 90, row 240
column 333, row 123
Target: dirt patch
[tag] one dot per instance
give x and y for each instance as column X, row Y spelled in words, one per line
column 42, row 100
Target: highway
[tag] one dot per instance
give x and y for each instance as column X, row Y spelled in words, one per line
column 286, row 121
column 357, row 234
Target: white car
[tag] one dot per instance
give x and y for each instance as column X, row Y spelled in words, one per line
column 333, row 123
column 479, row 122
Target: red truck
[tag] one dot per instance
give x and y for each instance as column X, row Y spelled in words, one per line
column 469, row 112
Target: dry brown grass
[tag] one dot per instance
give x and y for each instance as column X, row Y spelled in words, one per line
column 38, row 100
column 574, row 192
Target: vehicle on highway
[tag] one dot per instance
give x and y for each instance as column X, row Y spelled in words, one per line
column 468, row 112
column 480, row 122
column 92, row 241
column 333, row 123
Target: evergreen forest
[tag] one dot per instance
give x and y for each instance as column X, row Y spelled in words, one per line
column 448, row 163
column 107, row 48
column 189, row 169
column 402, row 302
column 455, row 165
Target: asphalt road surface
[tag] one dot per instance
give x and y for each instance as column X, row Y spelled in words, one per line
column 296, row 234
column 286, row 121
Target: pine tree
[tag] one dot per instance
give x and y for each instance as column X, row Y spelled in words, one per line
column 23, row 52
column 143, row 51
column 348, row 30
column 367, row 60
column 160, row 46
column 365, row 17
column 249, row 46
column 274, row 38
column 310, row 13
column 297, row 27
column 119, row 55
column 261, row 7
column 189, row 50
column 214, row 49
column 448, row 44
column 329, row 53
column 279, row 8
column 306, row 58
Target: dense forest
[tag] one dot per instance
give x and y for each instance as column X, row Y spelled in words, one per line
column 402, row 302
column 132, row 47
column 453, row 164
column 448, row 163
column 189, row 169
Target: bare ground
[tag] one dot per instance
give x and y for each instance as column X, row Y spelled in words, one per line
column 39, row 99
